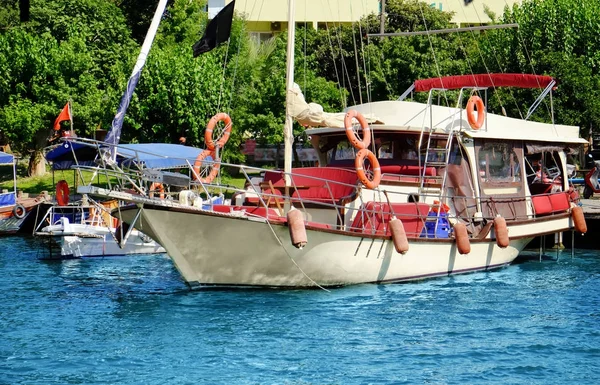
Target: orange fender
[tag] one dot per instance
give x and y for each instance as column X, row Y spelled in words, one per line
column 398, row 235
column 462, row 238
column 579, row 220
column 501, row 231
column 297, row 230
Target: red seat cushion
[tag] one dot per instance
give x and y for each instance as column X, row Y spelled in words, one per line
column 322, row 184
column 541, row 204
column 373, row 218
column 559, row 201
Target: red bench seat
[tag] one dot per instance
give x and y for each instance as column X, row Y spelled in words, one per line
column 373, row 218
column 314, row 184
column 545, row 204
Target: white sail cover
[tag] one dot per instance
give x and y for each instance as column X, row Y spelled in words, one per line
column 312, row 114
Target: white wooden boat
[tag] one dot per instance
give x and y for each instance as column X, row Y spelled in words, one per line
column 492, row 202
column 414, row 190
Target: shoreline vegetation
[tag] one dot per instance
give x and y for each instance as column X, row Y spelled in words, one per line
column 34, row 185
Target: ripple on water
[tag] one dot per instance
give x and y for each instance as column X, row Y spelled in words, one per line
column 131, row 320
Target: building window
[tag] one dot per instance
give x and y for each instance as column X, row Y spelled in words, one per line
column 260, row 37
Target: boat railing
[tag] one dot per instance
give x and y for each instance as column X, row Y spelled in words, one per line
column 330, row 197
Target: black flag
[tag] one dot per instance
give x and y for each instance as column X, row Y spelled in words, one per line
column 217, row 31
column 24, row 10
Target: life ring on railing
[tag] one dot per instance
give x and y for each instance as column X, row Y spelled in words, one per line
column 215, row 166
column 208, row 133
column 156, row 186
column 360, row 170
column 62, row 193
column 19, row 211
column 475, row 101
column 366, row 140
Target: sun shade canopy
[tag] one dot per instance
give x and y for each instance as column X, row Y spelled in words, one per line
column 484, row 80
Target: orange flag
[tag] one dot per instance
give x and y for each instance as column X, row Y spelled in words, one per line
column 65, row 114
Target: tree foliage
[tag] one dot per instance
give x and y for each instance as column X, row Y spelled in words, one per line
column 70, row 50
column 557, row 38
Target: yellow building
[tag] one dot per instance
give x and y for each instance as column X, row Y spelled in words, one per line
column 266, row 17
column 472, row 12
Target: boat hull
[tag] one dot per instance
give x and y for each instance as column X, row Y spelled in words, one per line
column 253, row 252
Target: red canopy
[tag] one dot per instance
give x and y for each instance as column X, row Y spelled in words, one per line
column 484, row 80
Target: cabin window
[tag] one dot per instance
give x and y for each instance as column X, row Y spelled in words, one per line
column 498, row 163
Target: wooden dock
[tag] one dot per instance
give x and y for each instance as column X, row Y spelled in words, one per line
column 591, row 208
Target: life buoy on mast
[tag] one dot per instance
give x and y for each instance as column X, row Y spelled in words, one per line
column 475, row 101
column 366, row 140
column 215, row 166
column 360, row 169
column 208, row 133
column 62, row 193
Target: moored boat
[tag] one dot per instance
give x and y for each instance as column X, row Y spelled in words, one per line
column 469, row 192
column 14, row 207
column 86, row 229
column 405, row 190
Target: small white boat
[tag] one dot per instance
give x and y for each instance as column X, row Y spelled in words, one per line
column 80, row 232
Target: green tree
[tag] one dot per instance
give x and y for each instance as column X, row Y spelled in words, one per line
column 557, row 38
column 70, row 50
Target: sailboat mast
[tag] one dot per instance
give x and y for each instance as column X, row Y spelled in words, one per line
column 114, row 134
column 288, row 132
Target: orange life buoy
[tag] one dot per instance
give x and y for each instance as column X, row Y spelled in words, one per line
column 208, row 134
column 215, row 167
column 157, row 187
column 475, row 101
column 360, row 171
column 62, row 193
column 366, row 140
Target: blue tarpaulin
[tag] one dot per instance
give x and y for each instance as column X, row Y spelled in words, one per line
column 158, row 155
column 149, row 155
column 8, row 199
column 6, row 158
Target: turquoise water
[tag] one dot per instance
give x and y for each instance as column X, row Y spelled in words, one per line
column 131, row 320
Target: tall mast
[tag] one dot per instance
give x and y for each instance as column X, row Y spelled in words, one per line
column 288, row 132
